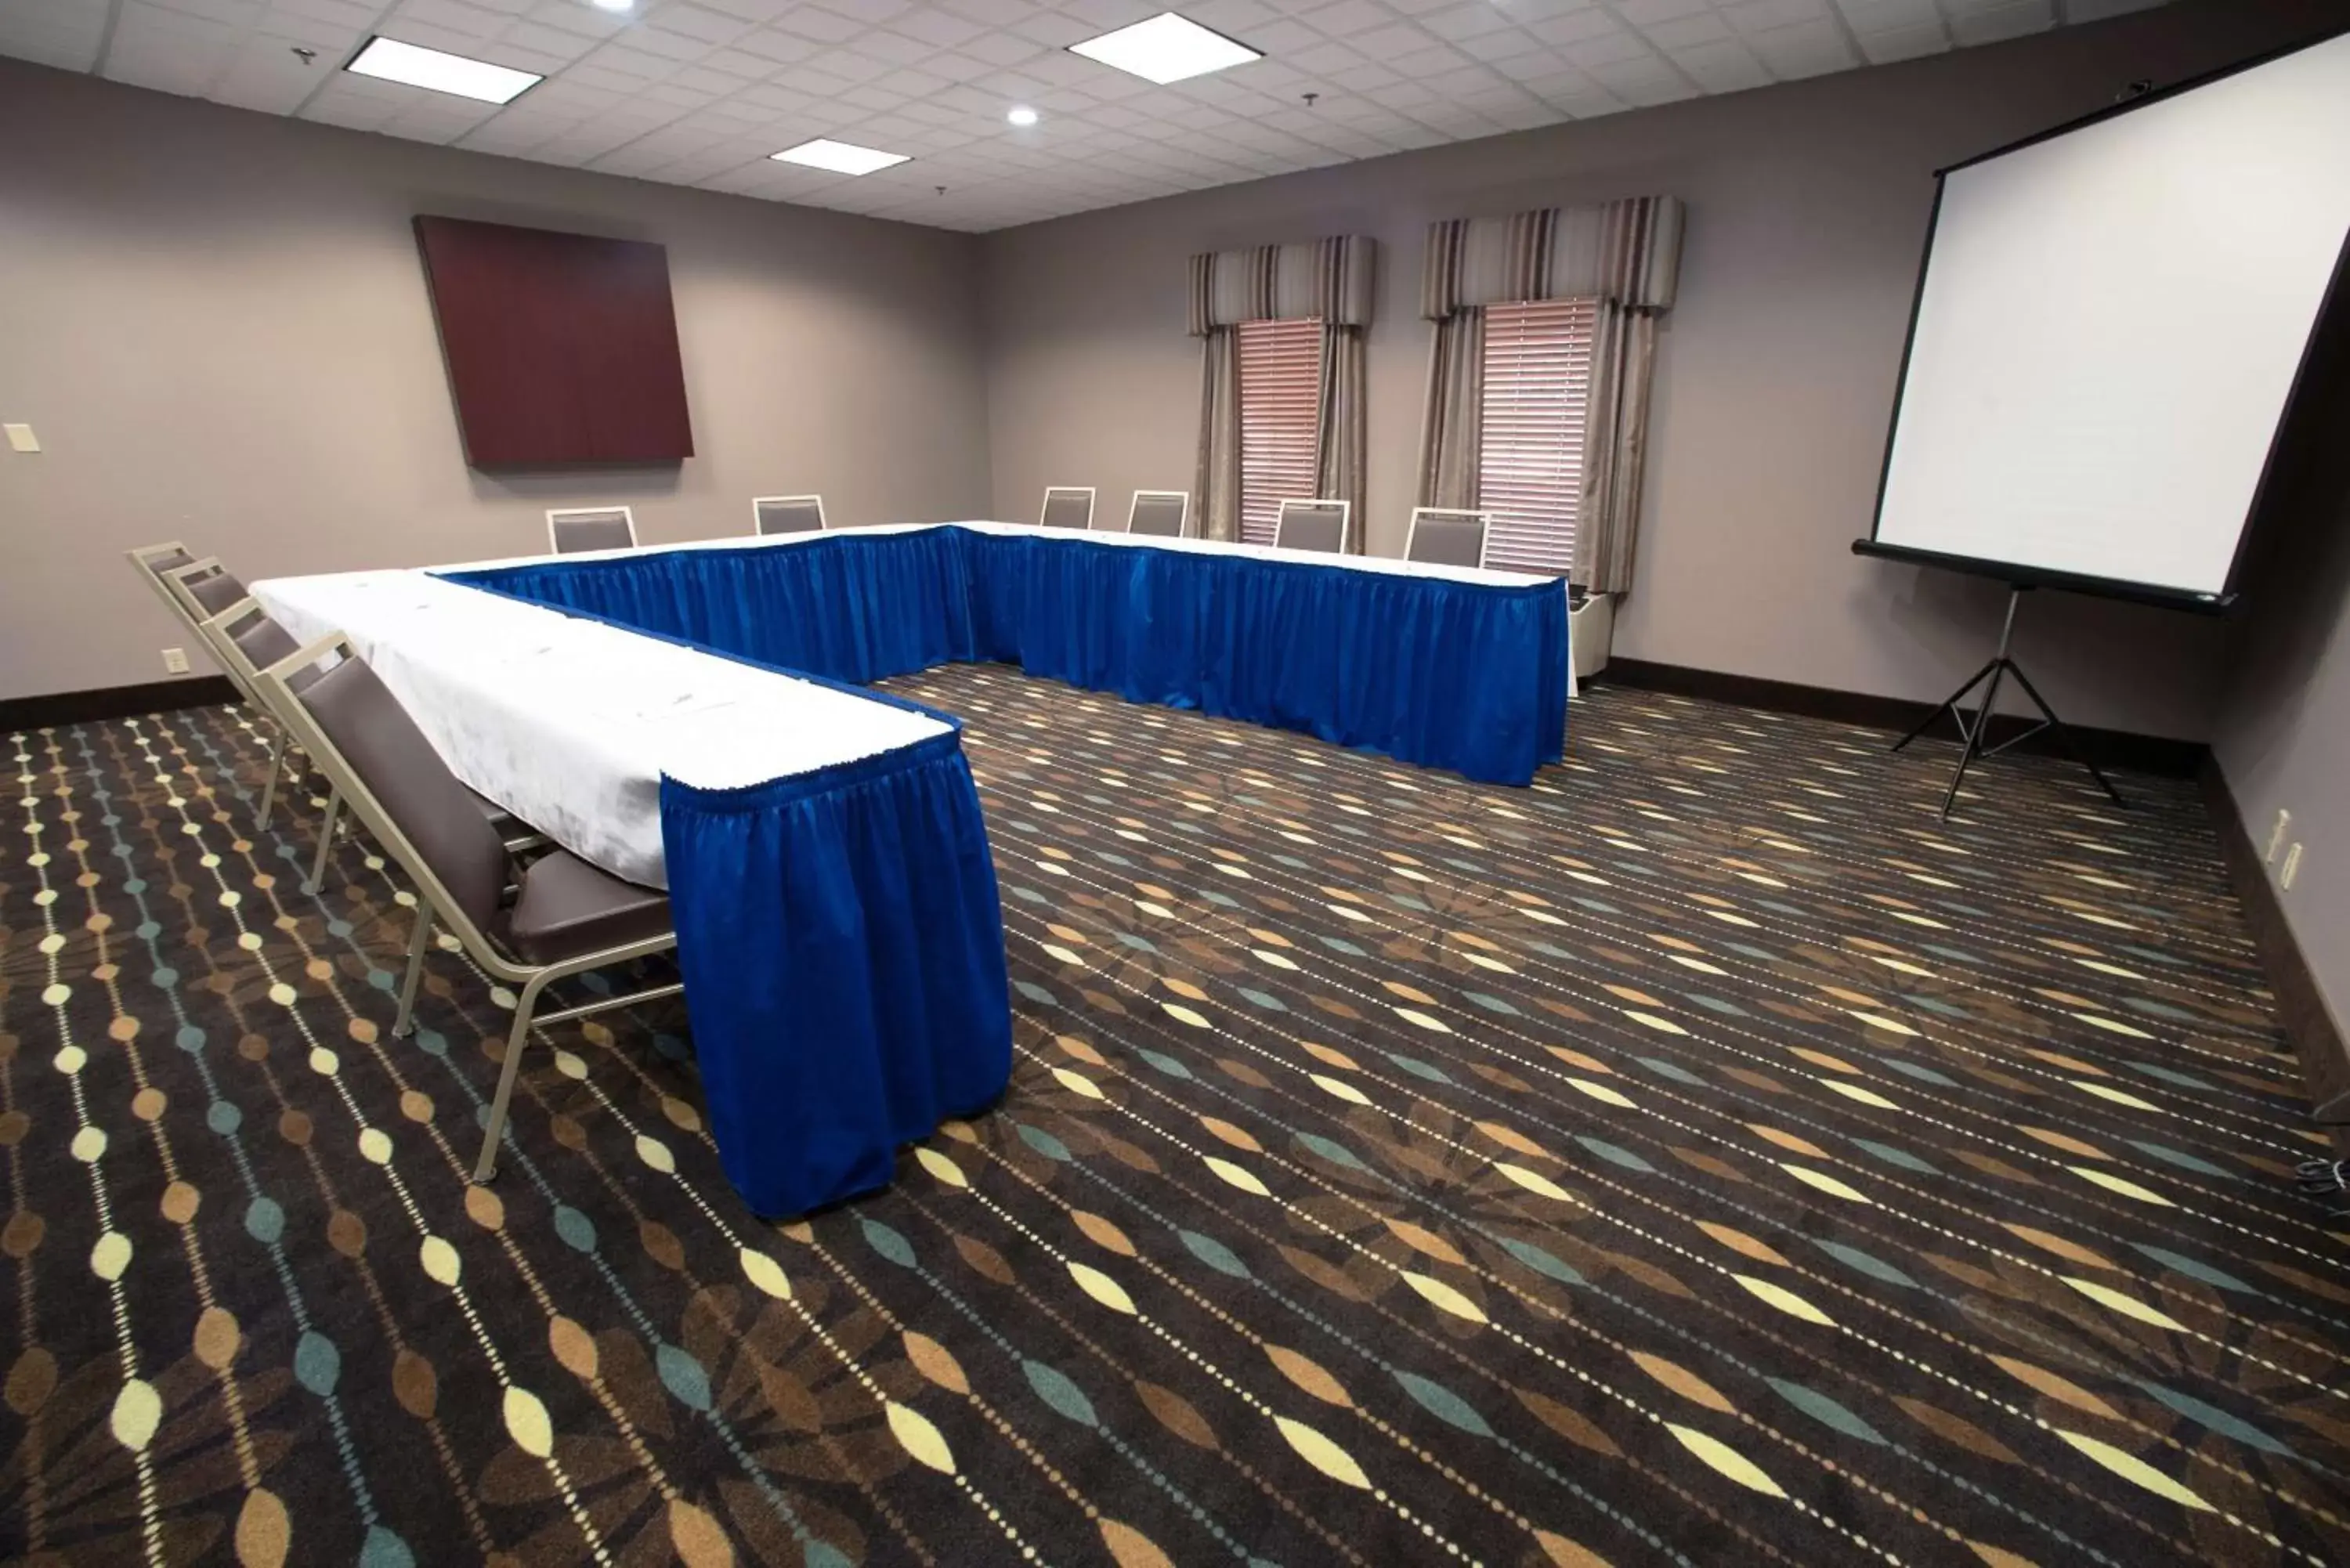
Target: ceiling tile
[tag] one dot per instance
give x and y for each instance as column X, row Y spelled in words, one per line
column 699, row 21
column 1685, row 32
column 814, row 22
column 939, row 30
column 1465, row 21
column 846, row 63
column 992, row 12
column 352, row 13
column 1725, row 65
column 872, row 13
column 1904, row 43
column 1611, row 50
column 1885, row 16
column 2001, row 21
column 698, row 92
column 1805, row 49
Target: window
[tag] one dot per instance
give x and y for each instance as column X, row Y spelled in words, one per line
column 1281, row 417
column 1530, row 459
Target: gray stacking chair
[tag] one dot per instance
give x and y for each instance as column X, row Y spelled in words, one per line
column 1311, row 525
column 152, row 561
column 201, row 589
column 590, row 528
column 1444, row 536
column 1162, row 512
column 1067, row 506
column 787, row 514
column 565, row 917
column 203, row 593
column 242, row 640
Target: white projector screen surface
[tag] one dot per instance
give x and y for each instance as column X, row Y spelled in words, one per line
column 2110, row 327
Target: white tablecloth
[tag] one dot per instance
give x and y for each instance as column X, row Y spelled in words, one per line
column 570, row 723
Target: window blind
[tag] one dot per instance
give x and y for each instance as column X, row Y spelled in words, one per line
column 1280, row 410
column 1530, row 465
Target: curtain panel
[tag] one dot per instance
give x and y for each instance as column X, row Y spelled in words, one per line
column 1326, row 278
column 1217, row 482
column 1341, row 433
column 1626, row 255
column 1452, row 441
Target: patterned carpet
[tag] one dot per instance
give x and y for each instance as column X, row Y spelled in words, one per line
column 1704, row 1156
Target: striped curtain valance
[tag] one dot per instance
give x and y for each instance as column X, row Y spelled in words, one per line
column 1329, row 278
column 1627, row 253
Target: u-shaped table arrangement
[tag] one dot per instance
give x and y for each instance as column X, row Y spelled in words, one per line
column 689, row 717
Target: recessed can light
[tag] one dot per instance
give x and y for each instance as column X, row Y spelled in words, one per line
column 1022, row 115
column 614, row 4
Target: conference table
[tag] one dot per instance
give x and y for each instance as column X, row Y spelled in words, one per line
column 696, row 717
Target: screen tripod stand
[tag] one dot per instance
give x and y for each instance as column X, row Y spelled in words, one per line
column 1974, row 736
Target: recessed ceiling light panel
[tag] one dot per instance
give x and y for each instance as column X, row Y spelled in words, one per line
column 839, row 157
column 391, row 60
column 1165, row 49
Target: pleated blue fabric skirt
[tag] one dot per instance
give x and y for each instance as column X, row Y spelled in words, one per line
column 840, row 931
column 843, row 955
column 1466, row 675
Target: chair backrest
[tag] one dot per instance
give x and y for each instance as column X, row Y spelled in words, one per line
column 1068, row 506
column 245, row 641
column 1445, row 537
column 204, row 587
column 1312, row 525
column 397, row 783
column 1159, row 512
column 152, row 561
column 590, row 528
column 787, row 514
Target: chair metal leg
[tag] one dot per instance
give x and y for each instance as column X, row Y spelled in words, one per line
column 419, row 940
column 276, row 766
column 487, row 1166
column 325, row 843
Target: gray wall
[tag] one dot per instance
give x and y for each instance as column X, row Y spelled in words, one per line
column 216, row 323
column 1808, row 205
column 2284, row 731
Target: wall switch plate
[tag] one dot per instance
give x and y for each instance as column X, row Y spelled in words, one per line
column 175, row 660
column 21, row 438
column 2276, row 836
column 2291, row 870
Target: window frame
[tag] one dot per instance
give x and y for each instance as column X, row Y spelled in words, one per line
column 1289, row 411
column 1532, row 459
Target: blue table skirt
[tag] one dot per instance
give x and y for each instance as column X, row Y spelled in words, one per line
column 842, row 949
column 1441, row 673
column 840, row 931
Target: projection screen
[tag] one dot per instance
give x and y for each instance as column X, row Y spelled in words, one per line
column 2109, row 328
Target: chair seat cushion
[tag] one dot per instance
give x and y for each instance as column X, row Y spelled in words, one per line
column 568, row 908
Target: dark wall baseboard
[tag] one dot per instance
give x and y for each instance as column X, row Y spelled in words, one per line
column 2107, row 748
column 2301, row 1007
column 113, row 702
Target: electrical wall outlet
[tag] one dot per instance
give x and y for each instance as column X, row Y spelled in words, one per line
column 175, row 660
column 2276, row 836
column 2290, row 868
